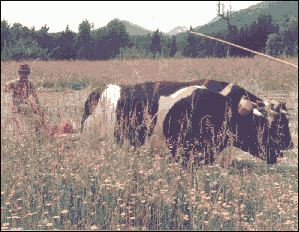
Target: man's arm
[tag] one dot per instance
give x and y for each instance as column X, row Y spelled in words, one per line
column 38, row 106
column 35, row 97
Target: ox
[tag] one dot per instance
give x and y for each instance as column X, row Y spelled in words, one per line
column 120, row 111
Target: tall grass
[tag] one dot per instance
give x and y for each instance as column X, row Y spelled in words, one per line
column 95, row 183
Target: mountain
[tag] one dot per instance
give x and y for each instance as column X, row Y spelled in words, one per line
column 134, row 29
column 177, row 30
column 280, row 11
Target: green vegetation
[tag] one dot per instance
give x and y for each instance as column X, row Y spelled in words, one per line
column 267, row 27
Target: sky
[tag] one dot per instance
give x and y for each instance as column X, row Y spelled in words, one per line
column 150, row 15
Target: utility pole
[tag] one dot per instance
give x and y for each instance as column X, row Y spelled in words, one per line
column 226, row 18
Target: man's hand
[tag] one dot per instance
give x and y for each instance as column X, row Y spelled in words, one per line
column 7, row 87
column 35, row 97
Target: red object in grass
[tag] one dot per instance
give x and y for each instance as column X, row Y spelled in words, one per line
column 63, row 128
column 67, row 128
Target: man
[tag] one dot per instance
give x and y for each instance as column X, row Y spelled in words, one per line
column 21, row 90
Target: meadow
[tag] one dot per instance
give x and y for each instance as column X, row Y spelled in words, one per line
column 95, row 184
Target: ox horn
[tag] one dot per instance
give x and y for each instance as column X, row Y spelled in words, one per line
column 284, row 112
column 256, row 112
column 245, row 106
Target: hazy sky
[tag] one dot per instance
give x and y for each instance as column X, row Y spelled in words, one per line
column 149, row 15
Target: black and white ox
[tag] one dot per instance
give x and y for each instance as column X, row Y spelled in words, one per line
column 201, row 117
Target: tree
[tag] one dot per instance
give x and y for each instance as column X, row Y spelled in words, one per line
column 227, row 19
column 43, row 37
column 5, row 36
column 107, row 41
column 219, row 48
column 156, row 45
column 192, row 46
column 290, row 37
column 242, row 41
column 117, row 37
column 261, row 28
column 83, row 38
column 274, row 45
column 24, row 51
column 285, row 41
column 65, row 41
column 173, row 47
column 15, row 33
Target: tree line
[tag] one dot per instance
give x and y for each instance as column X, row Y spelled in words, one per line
column 113, row 41
column 261, row 35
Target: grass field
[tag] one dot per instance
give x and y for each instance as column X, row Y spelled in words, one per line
column 96, row 184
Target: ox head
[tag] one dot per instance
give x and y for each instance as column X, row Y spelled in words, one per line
column 272, row 117
column 276, row 114
column 261, row 124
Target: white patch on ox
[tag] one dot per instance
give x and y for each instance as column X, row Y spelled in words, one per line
column 165, row 104
column 258, row 113
column 227, row 90
column 102, row 121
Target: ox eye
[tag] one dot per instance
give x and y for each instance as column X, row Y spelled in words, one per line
column 261, row 104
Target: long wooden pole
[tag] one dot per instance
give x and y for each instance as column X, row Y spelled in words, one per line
column 261, row 54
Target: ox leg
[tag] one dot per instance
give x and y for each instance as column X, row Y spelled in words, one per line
column 271, row 150
column 272, row 153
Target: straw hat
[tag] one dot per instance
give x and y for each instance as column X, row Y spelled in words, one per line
column 24, row 68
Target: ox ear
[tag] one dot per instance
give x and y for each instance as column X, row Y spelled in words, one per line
column 245, row 106
column 283, row 108
column 276, row 107
column 259, row 104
